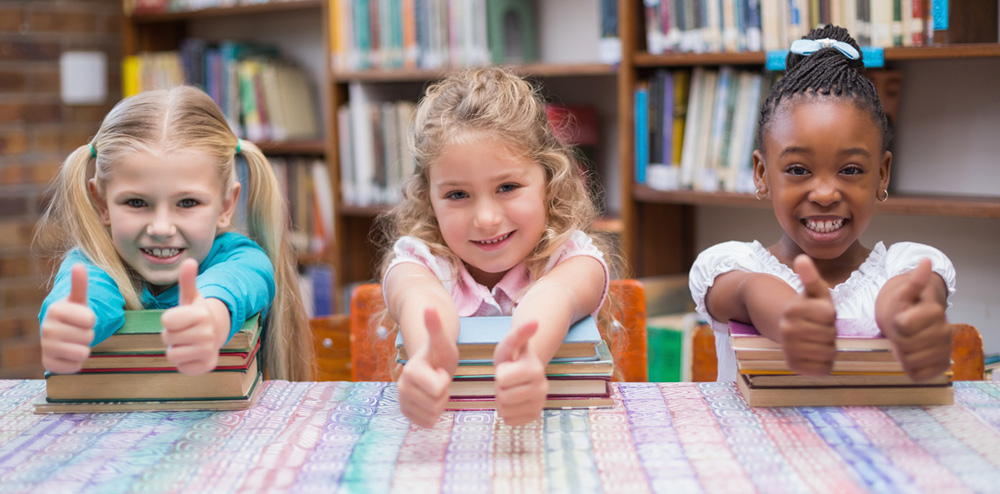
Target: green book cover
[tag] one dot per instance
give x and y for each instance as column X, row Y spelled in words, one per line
column 140, row 334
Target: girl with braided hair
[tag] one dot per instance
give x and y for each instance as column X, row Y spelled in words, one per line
column 823, row 159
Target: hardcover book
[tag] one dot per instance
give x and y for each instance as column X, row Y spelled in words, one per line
column 478, row 337
column 141, row 330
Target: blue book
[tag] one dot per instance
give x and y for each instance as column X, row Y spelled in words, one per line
column 641, row 113
column 478, row 337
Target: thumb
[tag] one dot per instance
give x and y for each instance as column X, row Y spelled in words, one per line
column 515, row 344
column 919, row 278
column 814, row 285
column 439, row 348
column 186, row 286
column 78, row 285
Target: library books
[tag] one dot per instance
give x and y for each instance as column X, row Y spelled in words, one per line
column 42, row 405
column 582, row 381
column 156, row 385
column 144, row 362
column 865, row 372
column 478, row 337
column 140, row 334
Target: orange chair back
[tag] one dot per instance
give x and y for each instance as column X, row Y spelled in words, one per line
column 373, row 351
column 967, row 362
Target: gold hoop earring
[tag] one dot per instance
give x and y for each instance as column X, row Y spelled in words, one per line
column 760, row 197
column 883, row 198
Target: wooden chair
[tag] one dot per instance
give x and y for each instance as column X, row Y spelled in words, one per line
column 373, row 351
column 332, row 346
column 966, row 354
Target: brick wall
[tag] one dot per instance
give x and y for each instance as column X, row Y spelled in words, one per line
column 36, row 133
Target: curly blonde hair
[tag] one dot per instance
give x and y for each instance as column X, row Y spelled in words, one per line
column 495, row 104
column 186, row 118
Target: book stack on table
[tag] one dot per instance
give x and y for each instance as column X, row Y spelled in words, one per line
column 865, row 372
column 579, row 374
column 129, row 371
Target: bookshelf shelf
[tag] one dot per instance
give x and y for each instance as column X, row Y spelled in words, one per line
column 535, row 70
column 923, row 205
column 978, row 50
column 270, row 7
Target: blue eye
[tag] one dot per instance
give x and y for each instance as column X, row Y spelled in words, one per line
column 456, row 195
column 507, row 188
column 187, row 203
column 135, row 203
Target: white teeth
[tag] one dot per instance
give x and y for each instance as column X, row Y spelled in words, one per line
column 162, row 253
column 824, row 226
column 487, row 242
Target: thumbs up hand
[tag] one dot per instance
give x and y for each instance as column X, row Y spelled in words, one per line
column 808, row 335
column 521, row 385
column 911, row 315
column 194, row 330
column 423, row 384
column 68, row 328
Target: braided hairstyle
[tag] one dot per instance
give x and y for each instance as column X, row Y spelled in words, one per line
column 825, row 74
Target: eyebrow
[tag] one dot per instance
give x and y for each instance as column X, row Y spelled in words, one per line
column 499, row 178
column 843, row 152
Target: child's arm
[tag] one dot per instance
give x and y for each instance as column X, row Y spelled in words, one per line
column 572, row 290
column 68, row 328
column 428, row 321
column 910, row 311
column 195, row 329
column 802, row 323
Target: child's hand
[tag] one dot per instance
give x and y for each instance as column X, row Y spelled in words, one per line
column 914, row 320
column 68, row 328
column 521, row 385
column 191, row 330
column 808, row 335
column 423, row 384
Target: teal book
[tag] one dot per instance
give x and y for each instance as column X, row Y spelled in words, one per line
column 478, row 337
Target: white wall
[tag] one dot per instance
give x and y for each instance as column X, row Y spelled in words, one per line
column 948, row 141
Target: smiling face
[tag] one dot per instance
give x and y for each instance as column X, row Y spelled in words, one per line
column 163, row 210
column 823, row 165
column 489, row 204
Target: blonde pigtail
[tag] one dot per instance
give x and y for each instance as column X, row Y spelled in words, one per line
column 289, row 350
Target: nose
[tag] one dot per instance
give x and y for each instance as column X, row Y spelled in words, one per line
column 825, row 193
column 161, row 225
column 487, row 214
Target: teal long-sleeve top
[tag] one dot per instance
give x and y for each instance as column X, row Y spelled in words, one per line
column 236, row 271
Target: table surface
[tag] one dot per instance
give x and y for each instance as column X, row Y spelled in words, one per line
column 659, row 437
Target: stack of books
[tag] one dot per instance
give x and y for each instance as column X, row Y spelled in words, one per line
column 130, row 372
column 865, row 372
column 579, row 374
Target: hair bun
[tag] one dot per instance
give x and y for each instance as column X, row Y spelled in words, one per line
column 830, row 31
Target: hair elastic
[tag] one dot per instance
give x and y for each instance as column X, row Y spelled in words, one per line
column 93, row 152
column 809, row 46
column 239, row 144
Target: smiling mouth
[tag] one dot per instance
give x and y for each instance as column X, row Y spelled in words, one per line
column 162, row 253
column 824, row 226
column 495, row 240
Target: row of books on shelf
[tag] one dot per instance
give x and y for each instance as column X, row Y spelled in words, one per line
column 697, row 129
column 263, row 96
column 865, row 372
column 305, row 182
column 129, row 371
column 427, row 34
column 579, row 374
column 702, row 26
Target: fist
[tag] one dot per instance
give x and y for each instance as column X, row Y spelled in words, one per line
column 426, row 377
column 521, row 385
column 68, row 328
column 915, row 322
column 808, row 335
column 190, row 330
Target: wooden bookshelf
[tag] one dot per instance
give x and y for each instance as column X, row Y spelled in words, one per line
column 531, row 70
column 207, row 13
column 935, row 52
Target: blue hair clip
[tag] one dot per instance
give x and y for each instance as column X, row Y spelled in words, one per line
column 809, row 46
column 93, row 152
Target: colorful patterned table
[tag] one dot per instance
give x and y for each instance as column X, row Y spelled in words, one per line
column 677, row 437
